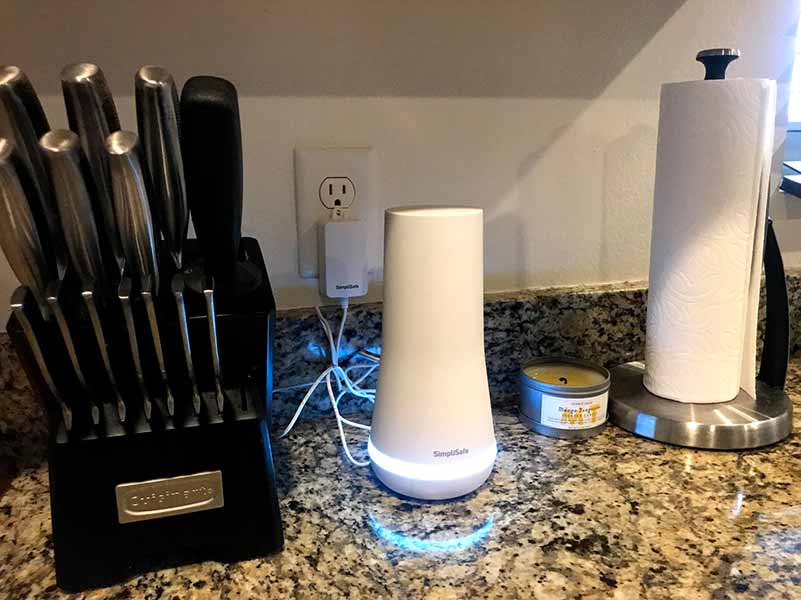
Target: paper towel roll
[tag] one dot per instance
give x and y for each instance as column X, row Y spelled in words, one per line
column 710, row 204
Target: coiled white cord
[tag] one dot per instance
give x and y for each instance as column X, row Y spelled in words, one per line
column 345, row 385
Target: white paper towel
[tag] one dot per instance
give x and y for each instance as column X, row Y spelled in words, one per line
column 710, row 205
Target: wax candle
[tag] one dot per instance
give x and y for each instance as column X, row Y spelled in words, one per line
column 564, row 397
column 565, row 374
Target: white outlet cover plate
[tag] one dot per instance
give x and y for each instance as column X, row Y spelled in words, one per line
column 312, row 166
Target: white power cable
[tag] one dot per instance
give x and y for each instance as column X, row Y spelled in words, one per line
column 334, row 405
column 345, row 384
column 341, row 327
column 303, row 402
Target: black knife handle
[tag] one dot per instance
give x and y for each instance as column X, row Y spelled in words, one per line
column 211, row 145
column 776, row 345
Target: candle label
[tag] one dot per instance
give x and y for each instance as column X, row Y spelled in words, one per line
column 573, row 413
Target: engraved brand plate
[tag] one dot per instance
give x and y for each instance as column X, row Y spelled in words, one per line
column 157, row 498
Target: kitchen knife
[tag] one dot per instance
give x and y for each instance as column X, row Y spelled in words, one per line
column 157, row 119
column 129, row 191
column 69, row 174
column 131, row 205
column 54, row 301
column 178, row 285
column 23, row 122
column 92, row 115
column 19, row 235
column 19, row 306
column 212, row 150
column 124, row 294
column 211, row 316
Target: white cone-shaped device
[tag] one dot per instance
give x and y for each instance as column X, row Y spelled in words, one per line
column 432, row 434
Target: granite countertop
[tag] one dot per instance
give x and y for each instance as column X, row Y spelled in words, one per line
column 614, row 515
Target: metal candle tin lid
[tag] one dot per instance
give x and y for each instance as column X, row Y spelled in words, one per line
column 563, row 397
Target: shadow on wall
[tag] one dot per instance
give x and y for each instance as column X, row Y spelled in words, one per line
column 627, row 197
column 507, row 225
column 446, row 48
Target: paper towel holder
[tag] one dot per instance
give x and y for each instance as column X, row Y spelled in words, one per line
column 739, row 424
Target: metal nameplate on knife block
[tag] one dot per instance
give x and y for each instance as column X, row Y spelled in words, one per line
column 133, row 496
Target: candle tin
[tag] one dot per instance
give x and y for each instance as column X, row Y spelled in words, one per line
column 563, row 410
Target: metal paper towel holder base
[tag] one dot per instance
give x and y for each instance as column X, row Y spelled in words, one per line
column 739, row 424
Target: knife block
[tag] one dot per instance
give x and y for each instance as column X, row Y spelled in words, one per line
column 203, row 485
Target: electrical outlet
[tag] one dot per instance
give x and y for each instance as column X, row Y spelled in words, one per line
column 328, row 179
column 337, row 192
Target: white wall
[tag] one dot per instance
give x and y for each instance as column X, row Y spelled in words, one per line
column 543, row 113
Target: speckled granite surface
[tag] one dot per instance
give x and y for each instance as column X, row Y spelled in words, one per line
column 605, row 324
column 614, row 515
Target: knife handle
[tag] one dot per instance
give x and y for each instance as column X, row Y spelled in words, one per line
column 211, row 316
column 20, row 306
column 211, row 146
column 178, row 292
column 19, row 234
column 92, row 116
column 132, row 205
column 23, row 89
column 54, row 299
column 157, row 120
column 100, row 337
column 146, row 294
column 23, row 122
column 124, row 294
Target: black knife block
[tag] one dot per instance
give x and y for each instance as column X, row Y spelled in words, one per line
column 92, row 547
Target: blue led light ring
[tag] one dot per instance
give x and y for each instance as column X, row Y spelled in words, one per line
column 413, row 544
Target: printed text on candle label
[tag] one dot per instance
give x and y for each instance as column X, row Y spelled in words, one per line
column 573, row 413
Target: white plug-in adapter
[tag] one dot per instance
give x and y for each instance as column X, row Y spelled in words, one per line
column 342, row 246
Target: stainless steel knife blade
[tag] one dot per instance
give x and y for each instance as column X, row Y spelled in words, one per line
column 92, row 115
column 23, row 122
column 131, row 205
column 157, row 120
column 19, row 236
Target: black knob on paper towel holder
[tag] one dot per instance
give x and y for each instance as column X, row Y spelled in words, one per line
column 716, row 60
